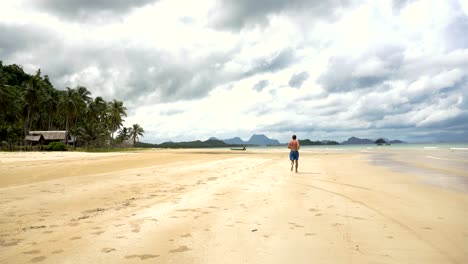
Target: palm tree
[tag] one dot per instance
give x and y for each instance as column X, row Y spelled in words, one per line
column 116, row 112
column 91, row 133
column 84, row 94
column 136, row 131
column 33, row 93
column 51, row 103
column 9, row 105
column 84, row 98
column 98, row 110
column 69, row 104
column 124, row 133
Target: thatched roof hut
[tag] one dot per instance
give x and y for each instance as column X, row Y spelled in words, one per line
column 48, row 136
column 34, row 138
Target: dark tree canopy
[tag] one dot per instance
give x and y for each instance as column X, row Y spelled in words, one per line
column 31, row 102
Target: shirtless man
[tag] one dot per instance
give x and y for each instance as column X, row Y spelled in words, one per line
column 293, row 145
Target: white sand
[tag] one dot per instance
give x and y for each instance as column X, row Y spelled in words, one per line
column 204, row 206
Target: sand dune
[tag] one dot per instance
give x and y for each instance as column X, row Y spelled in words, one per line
column 221, row 207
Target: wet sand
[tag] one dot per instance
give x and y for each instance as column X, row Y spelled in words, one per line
column 216, row 206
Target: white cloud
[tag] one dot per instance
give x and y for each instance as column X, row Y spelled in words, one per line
column 191, row 70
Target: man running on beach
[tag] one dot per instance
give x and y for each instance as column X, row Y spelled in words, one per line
column 293, row 145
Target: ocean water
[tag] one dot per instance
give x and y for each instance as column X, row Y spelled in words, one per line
column 441, row 165
column 463, row 147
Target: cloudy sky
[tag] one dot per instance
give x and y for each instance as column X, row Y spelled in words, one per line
column 194, row 69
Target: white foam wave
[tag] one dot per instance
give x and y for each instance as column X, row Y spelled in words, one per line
column 459, row 148
column 430, row 147
column 432, row 157
column 439, row 158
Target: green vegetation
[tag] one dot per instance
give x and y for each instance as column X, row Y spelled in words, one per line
column 56, row 146
column 30, row 102
column 211, row 143
column 381, row 141
column 308, row 142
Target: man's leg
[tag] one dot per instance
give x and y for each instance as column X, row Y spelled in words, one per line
column 292, row 165
column 297, row 164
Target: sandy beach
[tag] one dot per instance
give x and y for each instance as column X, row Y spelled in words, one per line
column 220, row 206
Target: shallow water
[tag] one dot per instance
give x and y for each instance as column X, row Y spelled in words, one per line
column 443, row 165
column 440, row 167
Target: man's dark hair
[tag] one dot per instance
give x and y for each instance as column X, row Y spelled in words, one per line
column 294, row 136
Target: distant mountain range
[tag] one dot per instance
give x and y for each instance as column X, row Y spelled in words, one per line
column 255, row 139
column 308, row 142
column 360, row 141
column 259, row 140
column 236, row 140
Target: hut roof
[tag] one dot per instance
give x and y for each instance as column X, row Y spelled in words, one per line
column 50, row 135
column 33, row 138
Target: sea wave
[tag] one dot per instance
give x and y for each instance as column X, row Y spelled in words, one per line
column 465, row 149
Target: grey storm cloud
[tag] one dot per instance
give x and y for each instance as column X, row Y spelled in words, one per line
column 22, row 38
column 374, row 67
column 272, row 63
column 298, row 79
column 88, row 9
column 235, row 15
column 138, row 75
column 148, row 72
column 260, row 85
column 134, row 74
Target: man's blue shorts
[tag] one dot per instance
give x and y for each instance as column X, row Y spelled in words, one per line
column 294, row 155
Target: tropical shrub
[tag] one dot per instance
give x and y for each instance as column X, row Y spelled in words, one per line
column 56, row 146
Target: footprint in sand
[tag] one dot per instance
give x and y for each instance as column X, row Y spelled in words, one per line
column 295, row 225
column 136, row 228
column 75, row 238
column 57, row 251
column 32, row 252
column 180, row 249
column 9, row 244
column 310, row 234
column 38, row 259
column 186, row 235
column 142, row 257
column 107, row 250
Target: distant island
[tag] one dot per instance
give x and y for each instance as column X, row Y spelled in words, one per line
column 210, row 143
column 213, row 142
column 255, row 139
column 260, row 140
column 308, row 142
column 361, row 141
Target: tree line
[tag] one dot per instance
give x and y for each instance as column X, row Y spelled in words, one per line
column 31, row 103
